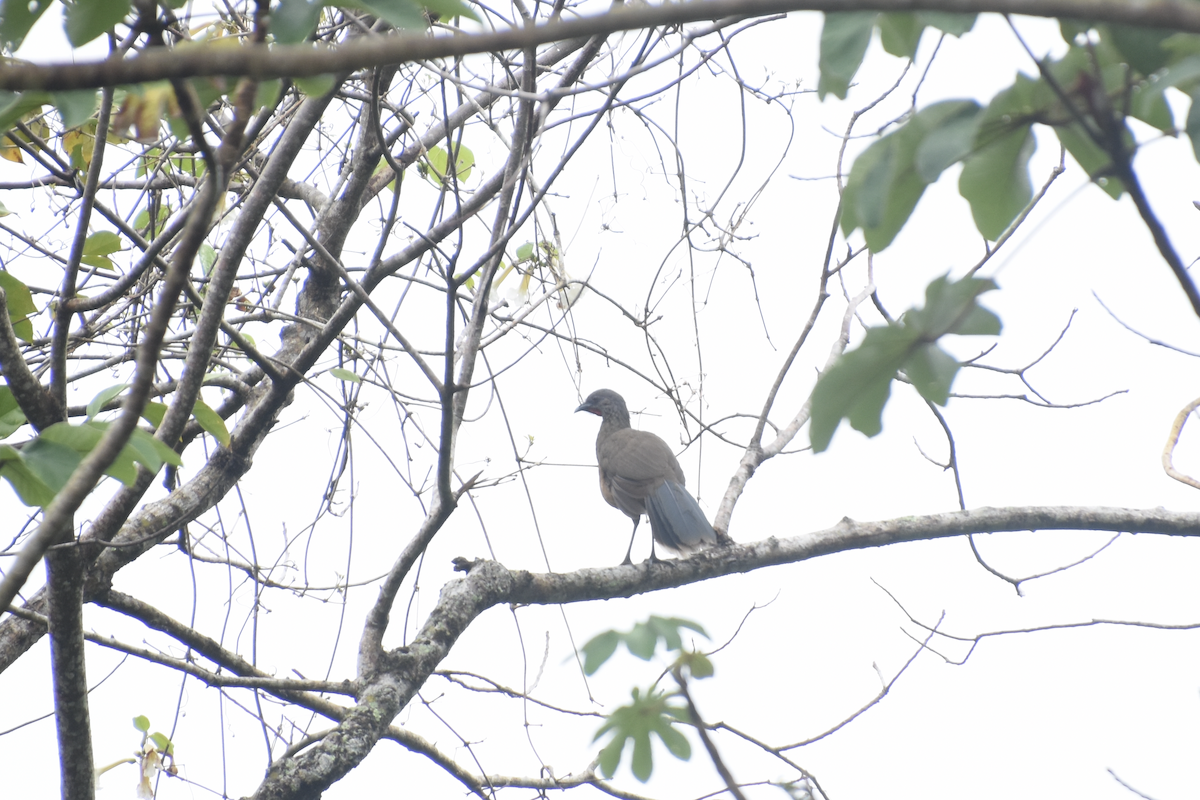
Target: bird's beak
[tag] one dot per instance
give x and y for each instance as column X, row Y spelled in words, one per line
column 587, row 407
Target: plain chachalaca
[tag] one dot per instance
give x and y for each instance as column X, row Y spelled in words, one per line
column 640, row 475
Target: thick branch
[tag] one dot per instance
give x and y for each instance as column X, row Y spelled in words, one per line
column 257, row 61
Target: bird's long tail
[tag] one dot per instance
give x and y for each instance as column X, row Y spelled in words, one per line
column 676, row 519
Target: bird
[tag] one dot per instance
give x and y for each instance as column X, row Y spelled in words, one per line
column 640, row 475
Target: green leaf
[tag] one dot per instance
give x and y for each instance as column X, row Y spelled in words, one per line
column 345, row 375
column 293, row 21
column 610, row 757
column 211, row 422
column 641, row 641
column 16, row 18
column 154, row 413
column 315, row 85
column 858, row 384
column 995, row 181
column 402, row 14
column 675, row 741
column 598, row 650
column 101, row 243
column 947, row 22
column 525, row 252
column 85, row 20
column 642, row 762
column 437, row 160
column 637, row 720
column 19, row 302
column 1141, row 47
column 900, row 33
column 931, row 370
column 161, row 741
column 208, row 257
column 448, row 9
column 30, row 489
column 141, row 723
column 1148, row 104
column 1072, row 29
column 51, row 461
column 885, row 181
column 698, row 664
column 75, row 107
column 949, row 139
column 99, row 401
column 844, row 40
column 1091, row 158
column 11, row 415
column 16, row 106
column 268, row 92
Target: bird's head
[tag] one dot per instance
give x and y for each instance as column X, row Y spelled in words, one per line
column 607, row 404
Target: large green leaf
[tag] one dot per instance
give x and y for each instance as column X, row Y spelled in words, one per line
column 886, row 182
column 85, row 20
column 947, row 22
column 995, row 181
column 31, row 489
column 844, row 40
column 76, row 107
column 11, row 415
column 293, row 21
column 900, row 33
column 858, row 384
column 651, row 714
column 19, row 303
column 1142, row 48
column 16, row 18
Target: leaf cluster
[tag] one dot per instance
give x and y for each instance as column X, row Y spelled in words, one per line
column 859, row 383
column 1109, row 74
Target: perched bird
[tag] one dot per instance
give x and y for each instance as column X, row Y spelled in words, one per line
column 640, row 475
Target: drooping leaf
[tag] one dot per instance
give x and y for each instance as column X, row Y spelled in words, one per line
column 403, row 14
column 448, row 9
column 886, row 181
column 11, row 415
column 437, row 160
column 19, row 303
column 948, row 140
column 1142, row 48
column 211, row 422
column 995, row 181
column 598, row 650
column 30, row 489
column 858, row 384
column 293, row 21
column 52, row 462
column 315, row 85
column 900, row 33
column 947, row 22
column 98, row 402
column 644, row 715
column 16, row 18
column 995, row 177
column 85, row 20
column 345, row 375
column 207, row 256
column 844, row 40
column 75, row 107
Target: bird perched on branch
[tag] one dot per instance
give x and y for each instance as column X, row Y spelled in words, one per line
column 640, row 475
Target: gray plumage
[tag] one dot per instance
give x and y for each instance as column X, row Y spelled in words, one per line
column 640, row 475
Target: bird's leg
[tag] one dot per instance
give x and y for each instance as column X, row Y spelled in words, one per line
column 629, row 552
column 654, row 559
